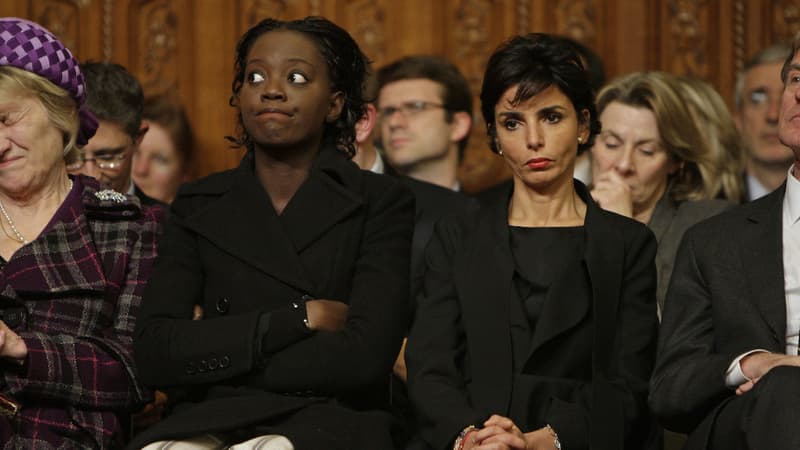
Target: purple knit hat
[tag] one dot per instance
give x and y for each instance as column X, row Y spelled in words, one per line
column 29, row 46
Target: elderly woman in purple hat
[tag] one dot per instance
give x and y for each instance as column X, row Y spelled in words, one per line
column 73, row 260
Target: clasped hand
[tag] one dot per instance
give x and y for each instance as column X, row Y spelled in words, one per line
column 500, row 433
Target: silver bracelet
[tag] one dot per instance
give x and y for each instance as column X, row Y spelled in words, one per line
column 553, row 433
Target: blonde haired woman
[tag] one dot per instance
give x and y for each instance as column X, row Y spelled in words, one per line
column 651, row 162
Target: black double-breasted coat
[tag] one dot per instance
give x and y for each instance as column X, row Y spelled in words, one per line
column 250, row 362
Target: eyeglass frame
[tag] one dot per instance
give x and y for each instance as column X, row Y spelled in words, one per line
column 409, row 109
column 105, row 162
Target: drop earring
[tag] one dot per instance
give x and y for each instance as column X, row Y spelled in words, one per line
column 580, row 140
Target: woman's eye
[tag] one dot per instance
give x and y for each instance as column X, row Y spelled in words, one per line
column 647, row 151
column 297, row 78
column 510, row 124
column 553, row 118
column 254, row 77
column 611, row 144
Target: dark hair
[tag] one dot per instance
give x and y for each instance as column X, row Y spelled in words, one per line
column 456, row 96
column 788, row 61
column 535, row 62
column 347, row 69
column 591, row 61
column 114, row 95
column 171, row 116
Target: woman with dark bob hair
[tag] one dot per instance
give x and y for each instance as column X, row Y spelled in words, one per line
column 298, row 260
column 536, row 325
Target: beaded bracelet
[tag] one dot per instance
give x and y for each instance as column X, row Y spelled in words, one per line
column 459, row 442
column 553, row 433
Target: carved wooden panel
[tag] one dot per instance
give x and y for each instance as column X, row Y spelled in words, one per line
column 687, row 32
column 72, row 22
column 785, row 19
column 186, row 46
column 154, row 44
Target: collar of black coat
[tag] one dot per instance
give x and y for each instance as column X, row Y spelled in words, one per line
column 233, row 210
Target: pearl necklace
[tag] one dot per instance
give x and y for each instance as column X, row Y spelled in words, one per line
column 17, row 235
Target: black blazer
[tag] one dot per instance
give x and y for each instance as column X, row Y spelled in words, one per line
column 726, row 297
column 344, row 236
column 459, row 351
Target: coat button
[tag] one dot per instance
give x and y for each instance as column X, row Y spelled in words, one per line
column 202, row 366
column 223, row 305
column 213, row 363
column 190, row 369
column 224, row 362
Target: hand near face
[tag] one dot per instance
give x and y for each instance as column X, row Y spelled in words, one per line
column 612, row 193
column 326, row 315
column 11, row 345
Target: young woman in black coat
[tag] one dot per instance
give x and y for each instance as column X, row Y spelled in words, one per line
column 298, row 260
column 536, row 325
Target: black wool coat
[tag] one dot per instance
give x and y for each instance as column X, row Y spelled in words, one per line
column 250, row 362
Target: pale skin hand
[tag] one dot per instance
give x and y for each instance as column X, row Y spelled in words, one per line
column 612, row 193
column 11, row 345
column 326, row 315
column 756, row 365
column 399, row 368
column 501, row 433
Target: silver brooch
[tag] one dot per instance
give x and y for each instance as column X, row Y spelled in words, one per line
column 110, row 195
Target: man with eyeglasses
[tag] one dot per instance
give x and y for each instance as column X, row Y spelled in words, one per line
column 425, row 117
column 757, row 97
column 116, row 99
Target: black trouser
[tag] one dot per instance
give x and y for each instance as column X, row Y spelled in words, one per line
column 767, row 417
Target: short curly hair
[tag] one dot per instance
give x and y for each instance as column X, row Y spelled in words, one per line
column 347, row 69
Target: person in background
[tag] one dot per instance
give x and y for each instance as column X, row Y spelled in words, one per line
column 651, row 162
column 161, row 161
column 553, row 346
column 115, row 97
column 722, row 140
column 298, row 259
column 74, row 259
column 425, row 118
column 756, row 97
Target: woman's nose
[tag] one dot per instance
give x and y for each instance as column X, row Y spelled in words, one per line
column 624, row 163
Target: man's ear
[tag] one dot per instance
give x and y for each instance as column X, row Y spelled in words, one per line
column 366, row 123
column 460, row 126
column 145, row 125
column 335, row 106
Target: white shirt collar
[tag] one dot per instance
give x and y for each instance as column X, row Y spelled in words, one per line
column 754, row 188
column 791, row 200
column 377, row 166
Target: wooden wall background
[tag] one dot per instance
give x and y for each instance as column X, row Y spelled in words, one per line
column 185, row 47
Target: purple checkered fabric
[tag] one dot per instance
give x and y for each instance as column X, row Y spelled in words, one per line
column 79, row 286
column 28, row 46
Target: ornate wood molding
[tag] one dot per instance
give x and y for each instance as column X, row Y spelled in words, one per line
column 61, row 18
column 367, row 28
column 257, row 10
column 157, row 32
column 576, row 19
column 470, row 38
column 688, row 53
column 523, row 16
column 785, row 19
column 738, row 35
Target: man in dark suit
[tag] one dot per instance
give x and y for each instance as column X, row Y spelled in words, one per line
column 115, row 97
column 425, row 113
column 727, row 368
